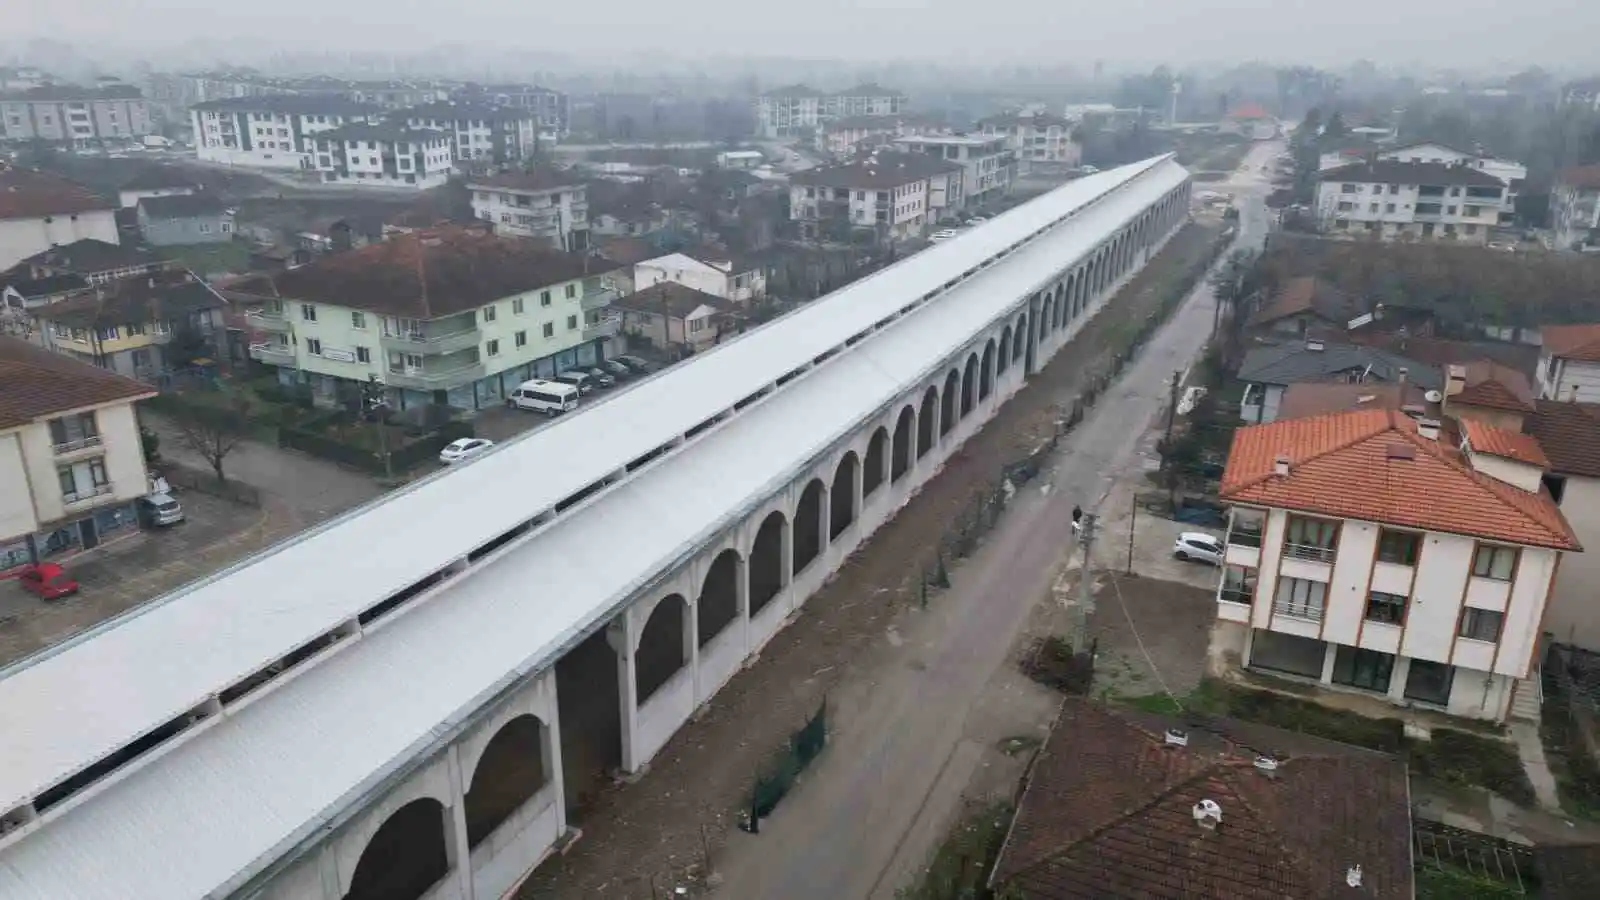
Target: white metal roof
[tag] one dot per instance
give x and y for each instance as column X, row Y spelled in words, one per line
column 213, row 811
column 71, row 707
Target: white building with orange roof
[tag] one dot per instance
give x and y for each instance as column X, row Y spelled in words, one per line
column 1379, row 554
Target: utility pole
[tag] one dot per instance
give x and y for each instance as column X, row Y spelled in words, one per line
column 1172, row 407
column 1084, row 524
column 376, row 405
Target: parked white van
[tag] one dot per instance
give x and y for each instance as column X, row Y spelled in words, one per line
column 549, row 397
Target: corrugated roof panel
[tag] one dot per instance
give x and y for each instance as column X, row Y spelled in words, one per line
column 238, row 796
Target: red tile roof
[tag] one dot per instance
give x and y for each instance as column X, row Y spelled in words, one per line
column 1341, row 465
column 1579, row 177
column 1107, row 813
column 1307, row 295
column 1497, row 386
column 1570, row 435
column 40, row 384
column 1581, row 342
column 1499, row 442
column 27, row 194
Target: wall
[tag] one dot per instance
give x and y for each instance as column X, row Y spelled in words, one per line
column 22, row 238
column 123, row 454
column 1568, row 379
column 16, row 493
column 163, row 232
column 1574, row 613
column 683, row 270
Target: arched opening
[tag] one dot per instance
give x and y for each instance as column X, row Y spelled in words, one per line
column 1072, row 298
column 589, row 704
column 872, row 470
column 842, row 499
column 947, row 401
column 925, row 436
column 900, row 462
column 405, row 857
column 1019, row 337
column 1058, row 309
column 766, row 562
column 1046, row 315
column 808, row 526
column 719, row 597
column 986, row 378
column 661, row 652
column 969, row 385
column 510, row 771
column 1005, row 350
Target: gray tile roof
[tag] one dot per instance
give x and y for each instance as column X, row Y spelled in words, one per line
column 1297, row 362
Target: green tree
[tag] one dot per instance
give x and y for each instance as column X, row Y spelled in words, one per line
column 1335, row 127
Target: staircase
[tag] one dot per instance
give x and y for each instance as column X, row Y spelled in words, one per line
column 1527, row 697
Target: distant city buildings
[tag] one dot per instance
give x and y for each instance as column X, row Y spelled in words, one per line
column 365, row 154
column 797, row 110
column 1575, row 207
column 896, row 194
column 270, row 131
column 1386, row 199
column 1036, row 138
column 82, row 117
column 988, row 164
column 478, row 132
column 844, row 136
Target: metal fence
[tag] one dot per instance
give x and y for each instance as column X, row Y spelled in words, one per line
column 1453, row 849
column 773, row 783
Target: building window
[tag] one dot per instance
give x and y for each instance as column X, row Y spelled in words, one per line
column 549, row 329
column 544, row 298
column 1496, row 562
column 363, row 355
column 1299, row 598
column 1368, row 670
column 1238, row 584
column 521, row 338
column 1389, row 609
column 1480, row 624
column 358, row 320
column 572, row 322
column 1388, row 207
column 1398, row 547
column 314, row 346
column 492, row 348
column 1429, row 682
column 308, row 312
column 1347, row 189
column 74, row 432
column 488, row 313
column 516, row 307
column 1311, row 539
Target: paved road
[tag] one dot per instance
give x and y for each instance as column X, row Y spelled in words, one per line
column 897, row 758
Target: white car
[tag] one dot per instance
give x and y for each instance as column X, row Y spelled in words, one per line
column 1198, row 546
column 943, row 234
column 977, row 220
column 463, row 448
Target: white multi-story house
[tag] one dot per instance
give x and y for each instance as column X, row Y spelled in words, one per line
column 1570, row 435
column 795, row 110
column 1367, row 554
column 498, row 135
column 81, row 116
column 451, row 316
column 39, row 211
column 1569, row 362
column 1575, row 207
column 1036, row 139
column 709, row 270
column 391, row 156
column 1386, row 199
column 844, row 136
column 552, row 107
column 272, row 131
column 546, row 204
column 891, row 193
column 71, row 460
column 988, row 165
column 1510, row 172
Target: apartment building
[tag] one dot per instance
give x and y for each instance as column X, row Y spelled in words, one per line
column 1569, row 433
column 449, row 316
column 797, row 110
column 1569, row 362
column 551, row 107
column 39, row 211
column 125, row 326
column 79, row 116
column 391, row 156
column 893, row 194
column 1385, row 199
column 1036, row 139
column 709, row 269
column 988, row 165
column 845, row 136
column 1370, row 552
column 494, row 135
column 271, row 131
column 546, row 204
column 71, row 461
column 1575, row 208
column 1510, row 172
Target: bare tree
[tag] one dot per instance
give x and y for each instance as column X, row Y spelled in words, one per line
column 217, row 433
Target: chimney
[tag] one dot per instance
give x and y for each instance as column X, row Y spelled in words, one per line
column 1207, row 814
column 1455, row 380
column 1428, row 428
column 1280, row 466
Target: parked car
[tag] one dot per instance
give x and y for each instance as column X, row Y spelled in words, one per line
column 977, row 220
column 577, row 379
column 617, row 369
column 1198, row 546
column 943, row 234
column 47, row 581
column 639, row 366
column 602, row 377
column 463, row 448
column 159, row 510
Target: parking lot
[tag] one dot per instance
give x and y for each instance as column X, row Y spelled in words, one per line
column 504, row 423
column 129, row 571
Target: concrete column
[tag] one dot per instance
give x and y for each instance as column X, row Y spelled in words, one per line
column 1327, row 662
column 691, row 637
column 857, row 481
column 457, row 852
column 550, row 749
column 620, row 635
column 825, row 517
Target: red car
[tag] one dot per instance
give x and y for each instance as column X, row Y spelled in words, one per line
column 48, row 581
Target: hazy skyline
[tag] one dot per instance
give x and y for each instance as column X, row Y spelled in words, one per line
column 1458, row 33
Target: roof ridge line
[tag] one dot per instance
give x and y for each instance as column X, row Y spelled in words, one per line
column 1493, row 486
column 1389, row 425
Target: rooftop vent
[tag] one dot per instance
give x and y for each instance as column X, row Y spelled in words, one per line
column 1353, row 877
column 1207, row 814
column 1266, row 765
column 1176, row 738
column 1428, row 428
column 1280, row 466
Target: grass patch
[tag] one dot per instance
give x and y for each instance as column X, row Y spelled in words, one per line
column 961, row 866
column 1453, row 756
column 1434, row 883
column 1576, row 772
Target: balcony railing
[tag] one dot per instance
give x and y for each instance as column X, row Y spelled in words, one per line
column 88, row 493
column 1242, row 537
column 73, row 446
column 267, row 320
column 603, row 328
column 1309, row 552
column 1298, row 611
column 597, row 300
column 433, row 379
column 273, row 354
column 427, row 344
column 1236, row 595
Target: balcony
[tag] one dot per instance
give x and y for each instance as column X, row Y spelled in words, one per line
column 426, row 379
column 267, row 320
column 607, row 327
column 1245, row 596
column 1245, row 537
column 66, row 448
column 273, row 354
column 1302, row 611
column 84, row 495
column 594, row 300
column 432, row 343
column 1309, row 553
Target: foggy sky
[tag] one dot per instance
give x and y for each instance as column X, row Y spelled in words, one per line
column 1466, row 34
